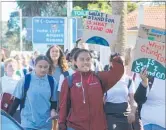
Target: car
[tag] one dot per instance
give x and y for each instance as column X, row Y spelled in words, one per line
column 8, row 123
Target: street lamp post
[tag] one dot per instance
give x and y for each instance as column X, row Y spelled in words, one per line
column 69, row 42
column 21, row 43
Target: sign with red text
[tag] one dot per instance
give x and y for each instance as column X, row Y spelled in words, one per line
column 100, row 28
column 150, row 54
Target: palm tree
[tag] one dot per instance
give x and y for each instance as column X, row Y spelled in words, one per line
column 120, row 8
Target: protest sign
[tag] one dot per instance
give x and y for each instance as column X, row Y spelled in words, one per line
column 100, row 28
column 152, row 33
column 150, row 54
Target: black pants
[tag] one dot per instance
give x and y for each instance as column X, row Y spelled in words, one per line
column 117, row 123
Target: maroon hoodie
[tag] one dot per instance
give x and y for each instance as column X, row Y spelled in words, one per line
column 86, row 96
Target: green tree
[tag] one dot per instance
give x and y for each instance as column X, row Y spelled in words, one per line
column 103, row 6
column 39, row 8
column 55, row 9
column 32, row 8
column 131, row 6
column 13, row 31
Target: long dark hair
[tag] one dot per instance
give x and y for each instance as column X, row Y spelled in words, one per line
column 62, row 62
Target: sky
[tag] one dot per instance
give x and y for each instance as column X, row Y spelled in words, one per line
column 7, row 8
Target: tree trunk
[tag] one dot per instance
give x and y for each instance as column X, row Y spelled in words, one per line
column 120, row 8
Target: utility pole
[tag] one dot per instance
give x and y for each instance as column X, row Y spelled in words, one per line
column 21, row 43
column 69, row 41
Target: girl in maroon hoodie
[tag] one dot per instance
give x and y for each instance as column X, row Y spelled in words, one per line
column 81, row 104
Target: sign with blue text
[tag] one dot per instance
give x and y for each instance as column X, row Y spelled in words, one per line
column 46, row 30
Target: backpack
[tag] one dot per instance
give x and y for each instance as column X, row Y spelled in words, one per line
column 27, row 84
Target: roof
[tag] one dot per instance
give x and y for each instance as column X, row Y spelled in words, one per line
column 153, row 16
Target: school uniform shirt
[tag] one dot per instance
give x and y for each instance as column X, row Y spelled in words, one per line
column 153, row 110
column 57, row 73
column 37, row 104
column 71, row 72
column 8, row 84
column 119, row 92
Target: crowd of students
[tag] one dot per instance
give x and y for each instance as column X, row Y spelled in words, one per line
column 72, row 92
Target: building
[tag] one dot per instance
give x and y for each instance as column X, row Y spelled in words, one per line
column 147, row 15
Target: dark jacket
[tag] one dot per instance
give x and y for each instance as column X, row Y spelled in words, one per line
column 86, row 96
column 140, row 94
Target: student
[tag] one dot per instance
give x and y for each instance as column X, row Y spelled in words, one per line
column 25, row 66
column 10, row 79
column 58, row 61
column 120, row 107
column 58, row 66
column 71, row 69
column 33, row 57
column 81, row 104
column 108, row 67
column 40, row 101
column 19, row 70
column 150, row 95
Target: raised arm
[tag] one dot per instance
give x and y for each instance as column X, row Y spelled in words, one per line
column 111, row 77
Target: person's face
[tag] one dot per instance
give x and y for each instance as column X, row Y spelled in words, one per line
column 83, row 62
column 11, row 68
column 41, row 68
column 54, row 53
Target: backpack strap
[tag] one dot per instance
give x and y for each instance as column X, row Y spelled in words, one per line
column 25, row 89
column 70, row 80
column 129, row 83
column 25, row 71
column 65, row 74
column 51, row 83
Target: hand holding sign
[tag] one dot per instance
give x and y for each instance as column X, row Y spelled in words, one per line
column 144, row 77
column 150, row 54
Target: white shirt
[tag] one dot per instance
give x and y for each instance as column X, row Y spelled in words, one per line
column 153, row 110
column 120, row 91
column 8, row 84
column 62, row 79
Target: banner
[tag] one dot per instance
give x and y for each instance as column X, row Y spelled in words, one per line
column 100, row 28
column 150, row 54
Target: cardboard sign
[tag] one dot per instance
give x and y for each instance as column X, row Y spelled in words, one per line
column 152, row 33
column 100, row 28
column 150, row 54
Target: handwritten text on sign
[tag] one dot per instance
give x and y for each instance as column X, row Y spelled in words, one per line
column 100, row 22
column 152, row 33
column 150, row 54
column 100, row 28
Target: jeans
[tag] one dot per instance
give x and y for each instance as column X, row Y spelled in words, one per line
column 153, row 127
column 70, row 128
